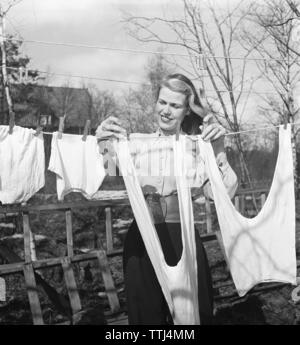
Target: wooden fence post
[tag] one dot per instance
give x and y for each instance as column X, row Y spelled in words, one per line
column 71, row 285
column 108, row 227
column 108, row 281
column 70, row 248
column 29, row 244
column 242, row 206
column 237, row 203
column 263, row 199
column 33, row 296
column 208, row 215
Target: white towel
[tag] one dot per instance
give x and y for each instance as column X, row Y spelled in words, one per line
column 22, row 164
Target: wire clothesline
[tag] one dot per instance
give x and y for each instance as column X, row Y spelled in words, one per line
column 226, row 134
column 133, row 82
column 259, row 129
column 80, row 76
column 136, row 51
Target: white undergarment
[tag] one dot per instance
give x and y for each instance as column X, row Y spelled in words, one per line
column 178, row 283
column 260, row 249
column 78, row 165
column 22, row 164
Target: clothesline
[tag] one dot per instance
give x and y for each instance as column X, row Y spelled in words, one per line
column 81, row 76
column 194, row 137
column 133, row 82
column 76, row 45
column 260, row 129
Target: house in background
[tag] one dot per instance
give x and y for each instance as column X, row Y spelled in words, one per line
column 43, row 105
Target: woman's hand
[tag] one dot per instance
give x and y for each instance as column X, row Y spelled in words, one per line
column 111, row 128
column 211, row 130
column 214, row 132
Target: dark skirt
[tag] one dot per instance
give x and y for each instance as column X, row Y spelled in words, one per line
column 146, row 304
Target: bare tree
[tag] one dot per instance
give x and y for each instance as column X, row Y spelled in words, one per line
column 8, row 4
column 137, row 105
column 279, row 64
column 64, row 99
column 103, row 103
column 294, row 7
column 205, row 31
column 136, row 111
column 4, row 60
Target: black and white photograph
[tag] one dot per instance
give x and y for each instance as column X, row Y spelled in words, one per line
column 149, row 165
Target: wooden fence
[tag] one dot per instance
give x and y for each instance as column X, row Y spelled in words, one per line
column 247, row 202
column 30, row 265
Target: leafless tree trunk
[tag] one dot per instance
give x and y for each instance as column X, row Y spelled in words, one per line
column 272, row 41
column 5, row 7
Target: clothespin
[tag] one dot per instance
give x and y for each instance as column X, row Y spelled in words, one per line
column 38, row 130
column 11, row 122
column 61, row 126
column 86, row 129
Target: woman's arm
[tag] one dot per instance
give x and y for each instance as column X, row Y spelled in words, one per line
column 228, row 176
column 215, row 133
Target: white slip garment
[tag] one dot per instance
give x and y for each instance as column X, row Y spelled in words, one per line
column 260, row 249
column 178, row 283
column 22, row 164
column 78, row 165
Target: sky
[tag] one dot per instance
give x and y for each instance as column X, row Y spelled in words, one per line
column 88, row 22
column 93, row 23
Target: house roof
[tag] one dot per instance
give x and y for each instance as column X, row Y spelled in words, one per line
column 32, row 100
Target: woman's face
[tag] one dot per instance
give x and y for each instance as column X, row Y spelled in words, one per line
column 170, row 109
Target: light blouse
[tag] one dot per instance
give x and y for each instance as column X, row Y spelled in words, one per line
column 153, row 158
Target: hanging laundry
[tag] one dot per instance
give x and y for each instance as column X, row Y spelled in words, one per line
column 178, row 283
column 152, row 155
column 260, row 249
column 78, row 165
column 22, row 164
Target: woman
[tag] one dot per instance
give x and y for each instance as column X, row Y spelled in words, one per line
column 177, row 108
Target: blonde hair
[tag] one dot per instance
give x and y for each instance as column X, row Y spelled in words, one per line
column 180, row 83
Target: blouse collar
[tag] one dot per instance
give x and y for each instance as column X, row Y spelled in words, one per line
column 160, row 133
